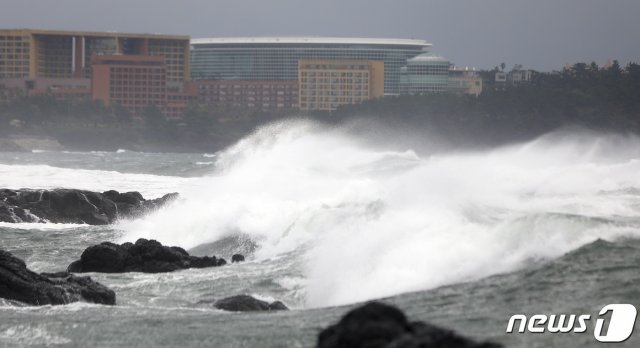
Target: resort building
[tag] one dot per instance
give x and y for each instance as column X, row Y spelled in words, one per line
column 325, row 84
column 264, row 73
column 424, row 74
column 312, row 73
column 264, row 61
column 33, row 54
column 131, row 81
column 61, row 63
column 264, row 95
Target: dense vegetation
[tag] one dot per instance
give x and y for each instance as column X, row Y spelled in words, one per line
column 583, row 95
column 85, row 124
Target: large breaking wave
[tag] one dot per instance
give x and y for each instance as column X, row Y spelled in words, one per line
column 369, row 222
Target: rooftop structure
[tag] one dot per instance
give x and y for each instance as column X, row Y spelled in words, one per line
column 309, row 40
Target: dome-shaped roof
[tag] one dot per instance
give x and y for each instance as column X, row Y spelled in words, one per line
column 427, row 58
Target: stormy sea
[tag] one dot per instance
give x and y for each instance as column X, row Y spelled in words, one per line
column 463, row 239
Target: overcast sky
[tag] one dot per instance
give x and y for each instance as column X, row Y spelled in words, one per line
column 540, row 34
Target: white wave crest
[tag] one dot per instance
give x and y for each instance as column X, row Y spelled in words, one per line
column 376, row 223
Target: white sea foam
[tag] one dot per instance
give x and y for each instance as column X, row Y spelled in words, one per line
column 31, row 335
column 47, row 177
column 375, row 223
column 41, row 226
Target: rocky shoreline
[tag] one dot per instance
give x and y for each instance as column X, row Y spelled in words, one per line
column 18, row 283
column 370, row 325
column 74, row 206
column 146, row 256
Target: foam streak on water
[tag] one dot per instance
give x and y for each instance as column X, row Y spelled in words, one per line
column 374, row 223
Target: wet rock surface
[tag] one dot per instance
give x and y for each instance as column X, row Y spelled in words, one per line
column 148, row 256
column 18, row 283
column 377, row 325
column 74, row 206
column 245, row 303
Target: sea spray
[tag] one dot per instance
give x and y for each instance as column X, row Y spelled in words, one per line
column 369, row 222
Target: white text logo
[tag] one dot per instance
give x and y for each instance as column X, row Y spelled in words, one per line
column 620, row 325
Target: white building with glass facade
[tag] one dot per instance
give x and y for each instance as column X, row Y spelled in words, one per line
column 424, row 74
column 276, row 58
column 265, row 72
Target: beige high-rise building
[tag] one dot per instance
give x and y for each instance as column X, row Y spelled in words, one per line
column 33, row 54
column 326, row 84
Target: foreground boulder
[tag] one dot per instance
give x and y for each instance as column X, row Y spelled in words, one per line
column 74, row 206
column 245, row 303
column 20, row 284
column 148, row 256
column 377, row 325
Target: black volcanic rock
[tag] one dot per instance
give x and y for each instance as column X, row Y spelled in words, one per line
column 18, row 283
column 237, row 258
column 245, row 303
column 14, row 214
column 148, row 256
column 74, row 206
column 377, row 325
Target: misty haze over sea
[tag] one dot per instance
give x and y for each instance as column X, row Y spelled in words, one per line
column 463, row 239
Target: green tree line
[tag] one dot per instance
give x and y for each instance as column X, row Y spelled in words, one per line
column 583, row 95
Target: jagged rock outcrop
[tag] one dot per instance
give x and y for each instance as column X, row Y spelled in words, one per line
column 74, row 206
column 148, row 256
column 377, row 325
column 245, row 303
column 18, row 283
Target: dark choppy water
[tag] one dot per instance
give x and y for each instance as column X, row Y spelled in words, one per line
column 464, row 241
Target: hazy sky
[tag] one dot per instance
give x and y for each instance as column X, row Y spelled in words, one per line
column 540, row 34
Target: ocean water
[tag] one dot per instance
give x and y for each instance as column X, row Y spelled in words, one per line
column 462, row 239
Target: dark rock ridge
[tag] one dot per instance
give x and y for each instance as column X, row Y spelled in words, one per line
column 74, row 206
column 18, row 283
column 148, row 256
column 377, row 325
column 245, row 303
